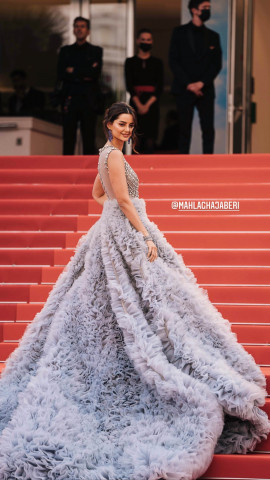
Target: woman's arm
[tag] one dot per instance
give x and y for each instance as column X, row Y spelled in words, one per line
column 129, row 77
column 159, row 83
column 159, row 78
column 98, row 193
column 130, row 84
column 137, row 102
column 119, row 185
column 151, row 100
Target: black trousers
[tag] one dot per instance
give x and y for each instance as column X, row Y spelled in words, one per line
column 147, row 126
column 77, row 109
column 186, row 103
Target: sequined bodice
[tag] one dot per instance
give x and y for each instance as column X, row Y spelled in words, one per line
column 103, row 170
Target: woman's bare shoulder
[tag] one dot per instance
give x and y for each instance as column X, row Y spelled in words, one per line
column 115, row 157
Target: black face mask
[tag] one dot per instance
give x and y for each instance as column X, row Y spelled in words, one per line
column 145, row 47
column 205, row 15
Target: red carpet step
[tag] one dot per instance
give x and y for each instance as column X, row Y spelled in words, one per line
column 226, row 294
column 192, row 257
column 212, row 275
column 163, row 175
column 179, row 240
column 147, row 161
column 246, row 334
column 174, row 191
column 261, row 353
column 166, row 223
column 236, row 314
column 46, row 206
column 239, row 467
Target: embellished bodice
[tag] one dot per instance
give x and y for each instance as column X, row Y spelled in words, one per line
column 103, row 170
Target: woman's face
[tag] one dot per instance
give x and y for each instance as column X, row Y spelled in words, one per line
column 122, row 127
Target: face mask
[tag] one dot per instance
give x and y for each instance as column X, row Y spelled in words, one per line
column 145, row 47
column 205, row 14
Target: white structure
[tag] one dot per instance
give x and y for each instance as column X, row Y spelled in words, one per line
column 29, row 136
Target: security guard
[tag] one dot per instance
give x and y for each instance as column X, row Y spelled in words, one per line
column 78, row 72
column 195, row 58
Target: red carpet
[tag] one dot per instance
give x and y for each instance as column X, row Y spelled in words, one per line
column 46, row 205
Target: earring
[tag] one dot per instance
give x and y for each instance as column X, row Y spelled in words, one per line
column 129, row 140
column 110, row 136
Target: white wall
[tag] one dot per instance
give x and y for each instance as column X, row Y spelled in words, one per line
column 30, row 136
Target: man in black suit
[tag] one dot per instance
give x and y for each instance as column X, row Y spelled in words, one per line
column 26, row 101
column 79, row 69
column 195, row 58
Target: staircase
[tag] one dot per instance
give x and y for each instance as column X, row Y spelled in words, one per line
column 46, row 205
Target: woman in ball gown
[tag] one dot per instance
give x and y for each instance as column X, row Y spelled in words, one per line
column 129, row 371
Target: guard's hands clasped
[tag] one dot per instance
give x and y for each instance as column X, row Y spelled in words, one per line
column 152, row 251
column 196, row 88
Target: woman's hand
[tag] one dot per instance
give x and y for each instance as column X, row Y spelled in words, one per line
column 152, row 251
column 101, row 199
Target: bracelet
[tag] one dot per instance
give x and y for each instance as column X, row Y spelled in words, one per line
column 147, row 237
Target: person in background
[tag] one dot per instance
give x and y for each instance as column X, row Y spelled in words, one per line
column 25, row 101
column 78, row 72
column 169, row 142
column 144, row 82
column 195, row 59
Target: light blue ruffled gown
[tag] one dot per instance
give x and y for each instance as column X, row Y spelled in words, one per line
column 129, row 372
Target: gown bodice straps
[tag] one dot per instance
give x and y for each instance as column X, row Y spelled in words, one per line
column 103, row 170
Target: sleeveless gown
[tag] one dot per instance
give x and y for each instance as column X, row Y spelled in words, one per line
column 128, row 372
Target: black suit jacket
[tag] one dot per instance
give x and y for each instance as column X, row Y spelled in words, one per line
column 187, row 66
column 84, row 80
column 32, row 104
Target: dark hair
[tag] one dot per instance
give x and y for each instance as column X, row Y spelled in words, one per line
column 194, row 4
column 82, row 19
column 143, row 30
column 18, row 73
column 113, row 112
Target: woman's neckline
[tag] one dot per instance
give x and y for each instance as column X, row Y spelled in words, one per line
column 110, row 146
